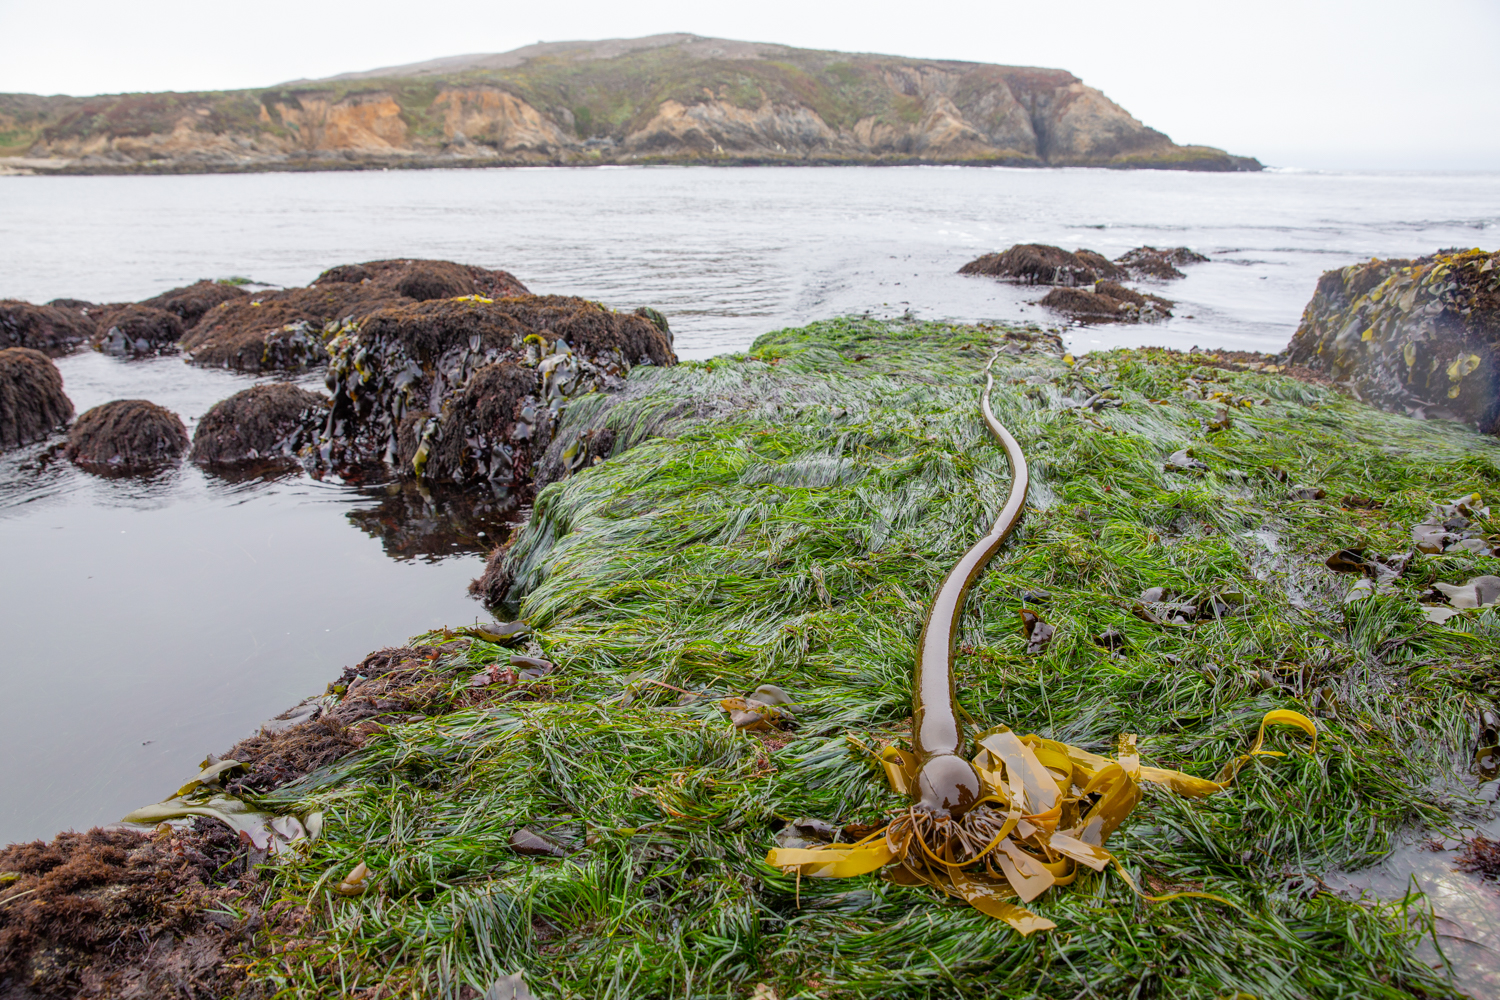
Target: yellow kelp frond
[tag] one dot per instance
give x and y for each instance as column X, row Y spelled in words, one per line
column 1047, row 808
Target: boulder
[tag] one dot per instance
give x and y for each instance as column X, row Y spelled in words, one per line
column 190, row 302
column 1420, row 336
column 281, row 330
column 1108, row 302
column 48, row 329
column 32, row 403
column 74, row 305
column 288, row 329
column 268, row 421
column 466, row 391
column 1039, row 264
column 127, row 435
column 424, row 280
column 1161, row 265
column 135, row 330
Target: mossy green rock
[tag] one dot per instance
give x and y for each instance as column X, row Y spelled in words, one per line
column 1415, row 335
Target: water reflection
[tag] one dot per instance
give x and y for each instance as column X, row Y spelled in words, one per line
column 1465, row 903
column 415, row 522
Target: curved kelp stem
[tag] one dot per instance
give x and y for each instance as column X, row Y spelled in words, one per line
column 1024, row 812
column 946, row 783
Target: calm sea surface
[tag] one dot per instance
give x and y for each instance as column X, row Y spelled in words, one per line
column 144, row 624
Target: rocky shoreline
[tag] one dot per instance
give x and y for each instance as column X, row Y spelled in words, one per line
column 664, row 99
column 486, row 803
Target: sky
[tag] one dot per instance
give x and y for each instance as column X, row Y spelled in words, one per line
column 1319, row 84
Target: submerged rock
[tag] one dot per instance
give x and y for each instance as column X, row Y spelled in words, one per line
column 288, row 329
column 1162, row 265
column 48, row 329
column 268, row 421
column 466, row 391
column 1039, row 264
column 1415, row 335
column 32, row 402
column 1108, row 302
column 136, row 330
column 190, row 302
column 127, row 435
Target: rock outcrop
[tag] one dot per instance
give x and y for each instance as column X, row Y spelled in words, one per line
column 126, row 436
column 286, row 330
column 1162, row 265
column 1039, row 264
column 135, row 330
column 48, row 329
column 466, row 391
column 270, row 421
column 666, row 98
column 1108, row 302
column 1416, row 335
column 190, row 302
column 32, row 401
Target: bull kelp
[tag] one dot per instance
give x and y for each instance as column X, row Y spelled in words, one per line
column 783, row 518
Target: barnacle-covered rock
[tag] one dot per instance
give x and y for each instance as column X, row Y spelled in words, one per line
column 127, row 435
column 467, row 390
column 268, row 421
column 48, row 329
column 1415, row 335
column 135, row 330
column 32, row 403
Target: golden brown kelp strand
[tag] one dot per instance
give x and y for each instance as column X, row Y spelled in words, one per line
column 945, row 781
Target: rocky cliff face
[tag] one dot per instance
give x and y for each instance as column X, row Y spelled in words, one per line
column 668, row 98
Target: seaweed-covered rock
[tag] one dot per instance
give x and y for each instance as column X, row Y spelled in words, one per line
column 32, row 402
column 1416, row 335
column 1039, row 264
column 73, row 305
column 466, row 390
column 127, row 435
column 281, row 330
column 48, row 329
column 190, row 302
column 1162, row 265
column 268, row 421
column 1108, row 302
column 424, row 280
column 136, row 330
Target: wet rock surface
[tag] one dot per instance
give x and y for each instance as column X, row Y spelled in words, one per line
column 1418, row 336
column 467, row 391
column 1108, row 302
column 191, row 302
column 32, row 401
column 270, row 421
column 136, row 330
column 48, row 329
column 127, row 435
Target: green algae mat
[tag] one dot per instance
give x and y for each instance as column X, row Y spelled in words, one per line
column 782, row 518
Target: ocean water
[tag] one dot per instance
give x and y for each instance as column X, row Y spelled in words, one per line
column 145, row 623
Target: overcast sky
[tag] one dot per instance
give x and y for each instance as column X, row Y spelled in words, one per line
column 1373, row 84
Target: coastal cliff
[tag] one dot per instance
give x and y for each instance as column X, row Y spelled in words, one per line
column 663, row 99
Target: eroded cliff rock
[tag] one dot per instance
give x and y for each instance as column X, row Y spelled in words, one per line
column 1416, row 335
column 666, row 98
